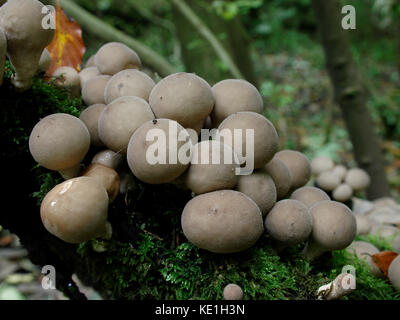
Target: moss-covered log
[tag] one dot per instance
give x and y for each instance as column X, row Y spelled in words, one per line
column 148, row 256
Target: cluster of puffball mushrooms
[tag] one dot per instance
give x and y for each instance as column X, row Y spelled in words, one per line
column 334, row 178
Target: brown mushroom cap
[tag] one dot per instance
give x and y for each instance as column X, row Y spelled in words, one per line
column 87, row 74
column 358, row 179
column 233, row 96
column 106, row 176
column 208, row 173
column 223, row 221
column 76, row 210
column 265, row 136
column 183, row 97
column 298, row 164
column 260, row 188
column 342, row 193
column 289, row 222
column 394, row 273
column 281, row 175
column 334, row 228
column 321, row 164
column 340, row 171
column 364, row 250
column 233, row 292
column 108, row 158
column 59, row 141
column 93, row 90
column 120, row 119
column 114, row 57
column 90, row 116
column 138, row 150
column 128, row 83
column 328, row 181
column 309, row 196
column 45, row 61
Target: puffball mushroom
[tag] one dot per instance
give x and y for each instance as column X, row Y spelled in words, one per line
column 289, row 223
column 299, row 166
column 281, row 175
column 260, row 188
column 90, row 117
column 106, row 176
column 233, row 292
column 328, row 181
column 183, row 97
column 108, row 158
column 321, row 164
column 364, row 250
column 91, row 62
column 208, row 169
column 384, row 231
column 394, row 273
column 87, row 74
column 93, row 90
column 3, row 54
column 114, row 57
column 265, row 137
column 358, row 179
column 60, row 142
column 120, row 119
column 233, row 95
column 224, row 221
column 76, row 210
column 128, row 83
column 149, row 160
column 364, row 225
column 334, row 228
column 309, row 196
column 68, row 78
column 342, row 192
column 45, row 61
column 340, row 171
column 21, row 21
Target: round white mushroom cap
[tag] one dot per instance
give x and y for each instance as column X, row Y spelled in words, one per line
column 281, row 175
column 108, row 158
column 394, row 273
column 342, row 193
column 340, row 171
column 90, row 116
column 87, row 74
column 233, row 292
column 358, row 179
column 364, row 250
column 321, row 164
column 45, row 61
column 328, row 181
column 364, row 225
column 93, row 90
column 309, row 195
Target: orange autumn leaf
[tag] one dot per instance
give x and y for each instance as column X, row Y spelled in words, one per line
column 383, row 260
column 67, row 47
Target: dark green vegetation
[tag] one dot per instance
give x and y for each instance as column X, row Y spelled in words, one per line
column 149, row 257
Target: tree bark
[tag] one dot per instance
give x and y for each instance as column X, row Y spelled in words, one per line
column 351, row 95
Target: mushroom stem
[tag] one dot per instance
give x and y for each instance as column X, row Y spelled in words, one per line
column 343, row 285
column 70, row 173
column 108, row 231
column 313, row 250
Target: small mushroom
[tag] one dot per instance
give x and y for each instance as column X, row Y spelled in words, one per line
column 128, row 83
column 299, row 166
column 233, row 96
column 156, row 162
column 260, row 188
column 106, row 176
column 120, row 119
column 281, row 175
column 108, row 158
column 288, row 223
column 358, row 179
column 59, row 142
column 183, row 97
column 45, row 61
column 364, row 250
column 233, row 292
column 21, row 21
column 340, row 171
column 76, row 210
column 265, row 137
column 91, row 62
column 114, row 57
column 394, row 273
column 321, row 164
column 208, row 169
column 90, row 117
column 342, row 193
column 93, row 90
column 364, row 224
column 384, row 231
column 3, row 54
column 334, row 228
column 328, row 181
column 68, row 78
column 87, row 74
column 309, row 196
column 224, row 221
